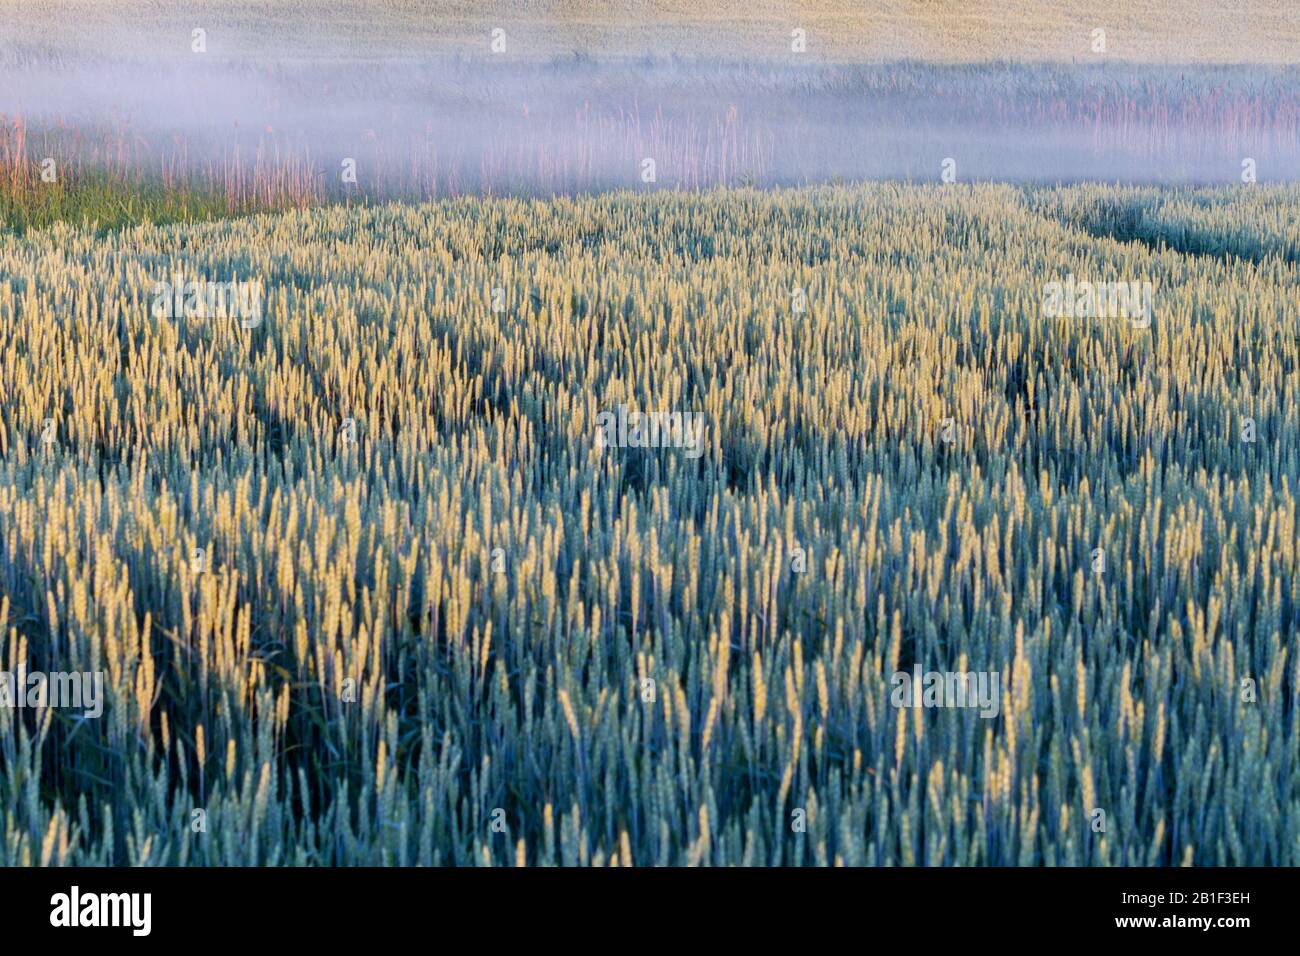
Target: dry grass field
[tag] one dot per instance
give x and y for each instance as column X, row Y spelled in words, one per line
column 1163, row 31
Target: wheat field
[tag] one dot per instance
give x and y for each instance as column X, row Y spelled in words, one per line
column 368, row 588
column 649, row 433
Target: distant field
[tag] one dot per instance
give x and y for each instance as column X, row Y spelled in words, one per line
column 1194, row 31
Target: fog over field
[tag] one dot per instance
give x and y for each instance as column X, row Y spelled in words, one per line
column 583, row 124
column 420, row 126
